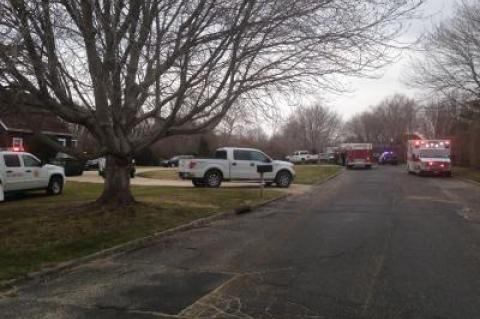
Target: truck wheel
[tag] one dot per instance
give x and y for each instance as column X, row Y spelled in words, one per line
column 55, row 186
column 212, row 179
column 368, row 166
column 283, row 179
column 198, row 182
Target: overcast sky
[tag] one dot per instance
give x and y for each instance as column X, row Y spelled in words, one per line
column 368, row 92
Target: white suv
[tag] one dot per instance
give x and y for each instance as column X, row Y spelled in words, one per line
column 21, row 171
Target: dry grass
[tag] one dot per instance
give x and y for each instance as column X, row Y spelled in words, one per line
column 312, row 174
column 38, row 230
column 306, row 174
column 467, row 172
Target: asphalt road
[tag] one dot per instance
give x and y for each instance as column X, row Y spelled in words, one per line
column 368, row 244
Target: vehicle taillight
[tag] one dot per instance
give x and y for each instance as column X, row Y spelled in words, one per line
column 192, row 164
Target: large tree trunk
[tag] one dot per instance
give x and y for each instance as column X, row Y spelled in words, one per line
column 116, row 191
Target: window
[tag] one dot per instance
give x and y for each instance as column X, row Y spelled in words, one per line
column 29, row 161
column 221, row 154
column 62, row 141
column 259, row 157
column 17, row 142
column 11, row 160
column 240, row 155
column 74, row 143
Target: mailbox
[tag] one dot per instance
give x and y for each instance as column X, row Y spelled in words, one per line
column 264, row 169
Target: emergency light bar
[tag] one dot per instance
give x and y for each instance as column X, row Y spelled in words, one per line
column 432, row 144
column 12, row 149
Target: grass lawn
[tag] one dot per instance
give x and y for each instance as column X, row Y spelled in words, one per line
column 467, row 172
column 311, row 174
column 38, row 230
column 171, row 174
column 306, row 174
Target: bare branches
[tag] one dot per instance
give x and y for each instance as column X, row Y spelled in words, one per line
column 312, row 128
column 133, row 72
column 451, row 62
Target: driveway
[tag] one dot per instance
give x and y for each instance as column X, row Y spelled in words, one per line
column 92, row 177
column 367, row 244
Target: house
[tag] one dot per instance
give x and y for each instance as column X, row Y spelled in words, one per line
column 19, row 122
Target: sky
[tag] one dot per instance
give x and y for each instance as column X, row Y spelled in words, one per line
column 369, row 92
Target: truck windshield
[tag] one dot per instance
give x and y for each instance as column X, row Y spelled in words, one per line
column 434, row 153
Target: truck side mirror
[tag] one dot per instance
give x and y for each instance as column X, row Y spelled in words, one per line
column 267, row 160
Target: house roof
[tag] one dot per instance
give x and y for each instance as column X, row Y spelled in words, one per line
column 27, row 117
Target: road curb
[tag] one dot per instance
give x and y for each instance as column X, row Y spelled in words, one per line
column 470, row 181
column 340, row 172
column 8, row 285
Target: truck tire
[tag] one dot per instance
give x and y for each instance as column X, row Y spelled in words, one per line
column 213, row 178
column 55, row 186
column 368, row 166
column 198, row 182
column 283, row 179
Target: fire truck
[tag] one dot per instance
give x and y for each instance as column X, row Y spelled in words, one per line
column 429, row 157
column 357, row 154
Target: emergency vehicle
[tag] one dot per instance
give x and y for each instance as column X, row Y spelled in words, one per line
column 358, row 154
column 429, row 156
column 21, row 171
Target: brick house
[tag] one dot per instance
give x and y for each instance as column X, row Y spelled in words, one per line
column 19, row 123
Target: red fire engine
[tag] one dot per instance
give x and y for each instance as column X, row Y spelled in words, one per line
column 358, row 154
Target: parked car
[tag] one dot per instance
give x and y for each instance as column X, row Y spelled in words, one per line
column 302, row 157
column 102, row 163
column 72, row 166
column 173, row 162
column 92, row 164
column 328, row 158
column 388, row 158
column 235, row 164
column 20, row 171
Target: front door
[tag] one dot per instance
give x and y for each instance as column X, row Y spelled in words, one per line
column 35, row 176
column 242, row 167
column 259, row 158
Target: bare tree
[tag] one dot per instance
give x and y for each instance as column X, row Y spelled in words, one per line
column 450, row 64
column 134, row 72
column 386, row 123
column 312, row 128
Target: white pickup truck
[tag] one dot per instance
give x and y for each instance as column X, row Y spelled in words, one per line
column 235, row 164
column 21, row 171
column 303, row 157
